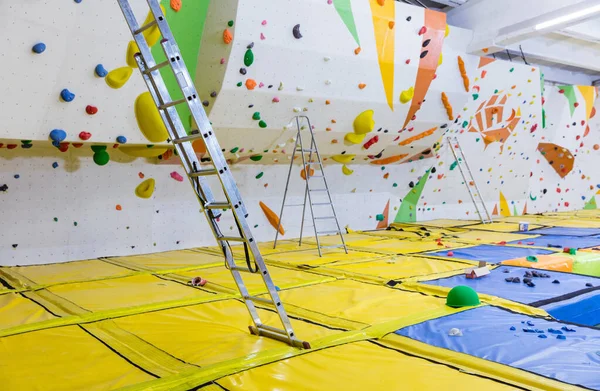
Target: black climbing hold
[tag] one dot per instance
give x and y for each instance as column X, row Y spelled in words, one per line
column 526, row 280
column 556, row 282
column 409, row 19
column 505, row 271
column 433, row 170
column 4, row 187
column 426, row 43
column 544, row 191
column 385, row 131
column 444, row 126
column 411, row 184
column 15, row 245
column 270, row 86
column 250, row 46
column 296, row 32
column 509, row 279
column 250, row 106
column 589, row 284
column 205, row 103
column 425, row 52
column 213, row 94
column 243, row 71
column 379, row 155
column 530, row 284
column 392, row 283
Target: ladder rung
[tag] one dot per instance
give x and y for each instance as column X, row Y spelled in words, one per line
column 241, row 269
column 173, row 103
column 321, row 203
column 217, row 205
column 156, row 67
column 325, row 218
column 306, row 150
column 212, row 171
column 328, row 232
column 336, row 246
column 317, row 176
column 261, row 300
column 192, row 137
column 318, row 190
column 264, row 327
column 145, row 27
column 231, row 239
column 294, row 205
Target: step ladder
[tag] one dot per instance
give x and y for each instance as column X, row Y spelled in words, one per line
column 318, row 197
column 467, row 175
column 198, row 176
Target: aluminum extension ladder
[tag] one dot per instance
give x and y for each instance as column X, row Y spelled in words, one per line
column 197, row 176
column 477, row 198
column 309, row 193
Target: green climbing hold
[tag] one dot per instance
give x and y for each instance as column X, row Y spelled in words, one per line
column 234, row 150
column 255, row 225
column 256, row 158
column 239, row 84
column 75, row 223
column 150, row 146
column 230, row 23
column 462, row 296
column 380, row 217
column 262, row 124
column 495, row 91
column 477, row 139
column 98, row 148
column 475, row 96
column 572, row 251
column 101, row 158
column 256, row 116
column 465, row 123
column 56, row 219
column 395, row 185
column 532, row 258
column 248, row 58
column 453, row 165
column 260, row 175
column 512, row 69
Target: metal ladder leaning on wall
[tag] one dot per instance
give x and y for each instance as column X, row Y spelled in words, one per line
column 197, row 176
column 467, row 176
column 308, row 191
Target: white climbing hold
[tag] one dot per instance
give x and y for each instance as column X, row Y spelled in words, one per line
column 328, row 82
column 326, row 58
column 280, row 86
column 297, row 109
column 454, row 332
column 299, row 88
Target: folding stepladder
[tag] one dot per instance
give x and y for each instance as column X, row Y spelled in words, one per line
column 310, row 193
column 197, row 176
column 477, row 198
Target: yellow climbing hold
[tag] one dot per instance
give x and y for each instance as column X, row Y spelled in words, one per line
column 364, row 122
column 153, row 33
column 343, row 158
column 149, row 120
column 118, row 77
column 346, row 170
column 132, row 49
column 407, row 95
column 142, row 150
column 441, row 59
column 354, row 138
column 146, row 188
column 447, row 32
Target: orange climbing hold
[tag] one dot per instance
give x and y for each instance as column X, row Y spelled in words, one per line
column 357, row 50
column 381, row 2
column 227, row 36
column 391, row 24
column 327, row 102
column 463, row 73
column 250, row 84
column 176, row 5
column 272, row 217
column 199, row 146
column 448, row 106
column 362, row 86
column 307, row 169
column 419, row 136
column 389, row 160
column 119, row 207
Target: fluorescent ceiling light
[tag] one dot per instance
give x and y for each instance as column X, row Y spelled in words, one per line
column 568, row 17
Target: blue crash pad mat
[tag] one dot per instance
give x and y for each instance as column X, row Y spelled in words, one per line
column 565, row 231
column 487, row 334
column 562, row 241
column 496, row 285
column 583, row 309
column 490, row 254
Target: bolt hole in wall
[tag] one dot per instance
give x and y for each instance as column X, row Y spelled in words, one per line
column 386, row 84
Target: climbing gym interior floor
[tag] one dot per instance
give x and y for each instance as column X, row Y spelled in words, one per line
column 376, row 318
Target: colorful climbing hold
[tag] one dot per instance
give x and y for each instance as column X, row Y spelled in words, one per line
column 67, row 95
column 91, row 110
column 296, row 32
column 57, row 135
column 256, row 116
column 122, row 139
column 39, row 48
column 118, row 77
column 85, row 136
column 100, row 71
column 146, row 188
column 407, row 95
column 176, row 5
column 364, row 123
column 259, row 175
column 251, row 84
column 272, row 218
column 175, row 175
column 149, row 120
column 227, row 36
column 249, row 58
column 262, row 124
column 101, row 157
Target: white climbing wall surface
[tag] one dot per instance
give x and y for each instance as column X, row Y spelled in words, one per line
column 383, row 82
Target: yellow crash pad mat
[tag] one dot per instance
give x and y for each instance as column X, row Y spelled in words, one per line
column 442, row 223
column 70, row 272
column 125, row 292
column 483, row 237
column 213, row 332
column 333, row 240
column 358, row 366
column 15, row 310
column 64, row 358
column 401, row 267
column 501, row 226
column 312, row 258
column 172, row 260
column 398, row 246
column 359, row 302
column 264, row 247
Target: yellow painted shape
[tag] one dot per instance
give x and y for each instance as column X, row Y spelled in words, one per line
column 354, row 138
column 589, row 95
column 364, row 123
column 148, row 118
column 118, row 77
column 346, row 170
column 441, row 60
column 344, row 159
column 146, row 188
column 380, row 369
column 143, row 151
column 504, row 209
column 385, row 39
column 16, row 310
column 48, row 360
column 407, row 95
column 132, row 49
column 447, row 32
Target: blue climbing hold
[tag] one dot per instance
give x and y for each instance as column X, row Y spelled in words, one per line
column 78, row 1
column 121, row 139
column 55, row 165
column 277, row 288
column 39, row 48
column 554, row 331
column 100, row 70
column 17, row 176
column 567, row 329
column 542, row 336
column 530, row 323
column 512, row 328
column 561, row 337
column 57, row 135
column 67, row 95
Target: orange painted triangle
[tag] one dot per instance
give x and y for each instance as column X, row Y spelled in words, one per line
column 495, row 212
column 525, row 209
column 483, row 61
column 386, row 214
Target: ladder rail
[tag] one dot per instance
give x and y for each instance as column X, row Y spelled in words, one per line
column 287, row 184
column 176, row 131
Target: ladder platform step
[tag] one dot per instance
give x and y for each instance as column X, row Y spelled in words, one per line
column 156, row 67
column 231, row 239
column 306, row 150
column 241, row 269
column 207, row 172
column 328, row 232
column 294, row 205
column 145, row 27
column 336, row 246
column 172, row 103
column 182, row 140
column 217, row 205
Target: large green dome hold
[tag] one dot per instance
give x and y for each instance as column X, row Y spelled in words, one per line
column 462, row 296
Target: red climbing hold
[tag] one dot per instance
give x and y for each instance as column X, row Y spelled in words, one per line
column 576, row 104
column 78, row 145
column 141, row 175
column 370, row 143
column 11, row 146
column 63, row 147
column 85, row 136
column 423, row 30
column 450, row 253
column 91, row 110
column 561, row 91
